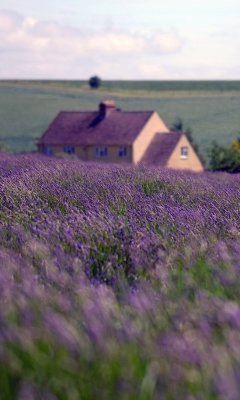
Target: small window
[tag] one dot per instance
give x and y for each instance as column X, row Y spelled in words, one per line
column 48, row 150
column 184, row 152
column 101, row 151
column 69, row 149
column 122, row 151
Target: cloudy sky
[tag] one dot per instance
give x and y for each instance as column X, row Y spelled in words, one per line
column 126, row 39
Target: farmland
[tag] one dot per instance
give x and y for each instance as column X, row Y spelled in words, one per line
column 210, row 109
column 117, row 283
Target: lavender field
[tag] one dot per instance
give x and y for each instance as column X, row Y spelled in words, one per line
column 118, row 282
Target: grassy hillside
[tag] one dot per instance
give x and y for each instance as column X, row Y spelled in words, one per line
column 27, row 108
column 147, row 86
column 117, row 283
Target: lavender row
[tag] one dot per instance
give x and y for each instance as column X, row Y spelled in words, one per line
column 117, row 282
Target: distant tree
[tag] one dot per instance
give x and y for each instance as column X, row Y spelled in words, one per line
column 94, row 82
column 225, row 158
column 178, row 126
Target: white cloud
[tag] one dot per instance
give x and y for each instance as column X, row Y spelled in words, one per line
column 112, row 70
column 149, row 70
column 167, row 42
column 116, row 43
column 33, row 48
column 9, row 21
column 29, row 23
column 46, row 29
column 47, row 37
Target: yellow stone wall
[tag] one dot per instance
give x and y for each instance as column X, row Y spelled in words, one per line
column 57, row 150
column 154, row 125
column 81, row 152
column 40, row 148
column 192, row 162
column 112, row 155
column 87, row 153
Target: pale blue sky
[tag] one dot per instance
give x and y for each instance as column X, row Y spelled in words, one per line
column 131, row 39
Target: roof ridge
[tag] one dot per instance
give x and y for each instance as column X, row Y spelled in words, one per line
column 75, row 111
column 86, row 128
column 96, row 112
column 170, row 132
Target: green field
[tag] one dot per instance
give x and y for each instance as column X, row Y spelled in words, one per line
column 209, row 108
column 126, row 86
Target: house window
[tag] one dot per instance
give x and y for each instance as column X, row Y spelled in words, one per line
column 101, row 151
column 122, row 151
column 69, row 149
column 184, row 152
column 48, row 150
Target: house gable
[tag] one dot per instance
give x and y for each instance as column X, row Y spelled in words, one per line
column 146, row 135
column 165, row 150
column 189, row 162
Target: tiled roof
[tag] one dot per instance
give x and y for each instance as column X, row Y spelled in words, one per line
column 161, row 148
column 89, row 128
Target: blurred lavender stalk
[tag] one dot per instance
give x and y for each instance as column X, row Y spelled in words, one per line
column 118, row 283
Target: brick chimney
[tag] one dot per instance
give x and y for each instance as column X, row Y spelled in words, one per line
column 106, row 107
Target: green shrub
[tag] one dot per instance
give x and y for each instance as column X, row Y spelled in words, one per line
column 225, row 158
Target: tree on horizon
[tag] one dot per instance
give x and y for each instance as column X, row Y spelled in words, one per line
column 94, row 82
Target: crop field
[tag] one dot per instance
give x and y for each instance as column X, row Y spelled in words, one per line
column 118, row 283
column 134, row 86
column 210, row 109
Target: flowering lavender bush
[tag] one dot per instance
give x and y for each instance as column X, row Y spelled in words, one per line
column 118, row 282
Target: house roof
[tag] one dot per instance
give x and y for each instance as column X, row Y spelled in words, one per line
column 161, row 148
column 91, row 128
